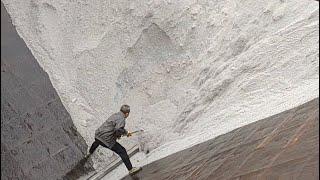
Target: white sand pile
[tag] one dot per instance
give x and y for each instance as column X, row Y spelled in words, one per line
column 190, row 69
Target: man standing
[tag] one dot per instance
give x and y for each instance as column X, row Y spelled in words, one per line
column 107, row 134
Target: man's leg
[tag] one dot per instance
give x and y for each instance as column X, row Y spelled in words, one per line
column 121, row 151
column 94, row 146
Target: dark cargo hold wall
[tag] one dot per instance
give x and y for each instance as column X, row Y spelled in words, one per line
column 38, row 137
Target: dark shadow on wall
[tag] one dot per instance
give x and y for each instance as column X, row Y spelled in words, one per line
column 38, row 137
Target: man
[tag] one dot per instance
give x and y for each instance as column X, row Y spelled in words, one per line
column 107, row 134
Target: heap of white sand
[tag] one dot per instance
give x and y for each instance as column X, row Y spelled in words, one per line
column 189, row 69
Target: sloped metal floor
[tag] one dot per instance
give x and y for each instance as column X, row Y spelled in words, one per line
column 282, row 147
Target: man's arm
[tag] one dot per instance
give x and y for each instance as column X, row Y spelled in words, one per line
column 119, row 128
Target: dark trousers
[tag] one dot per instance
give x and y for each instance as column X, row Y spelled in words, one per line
column 117, row 148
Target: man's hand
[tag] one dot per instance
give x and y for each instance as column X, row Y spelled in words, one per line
column 129, row 134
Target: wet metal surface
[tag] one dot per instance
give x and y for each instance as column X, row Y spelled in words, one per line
column 282, row 147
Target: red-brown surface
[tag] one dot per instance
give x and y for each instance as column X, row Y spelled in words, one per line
column 282, row 147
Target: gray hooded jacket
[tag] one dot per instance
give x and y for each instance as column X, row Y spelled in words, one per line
column 110, row 130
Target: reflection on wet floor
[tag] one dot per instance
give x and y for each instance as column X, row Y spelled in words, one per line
column 283, row 146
